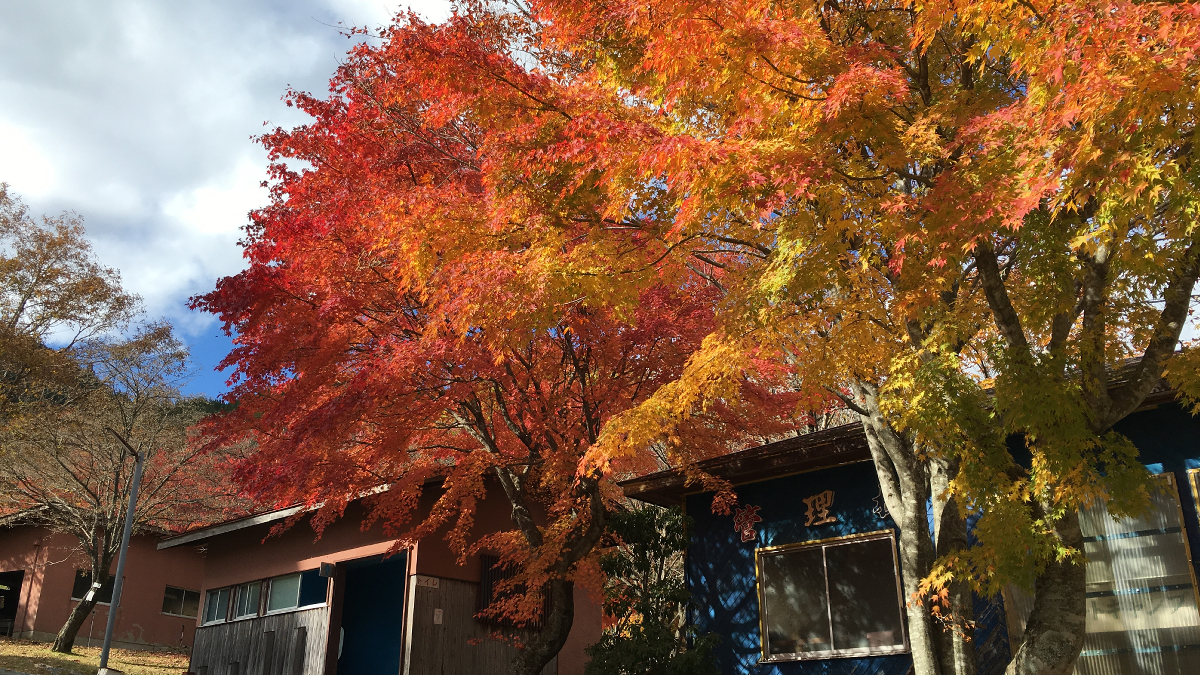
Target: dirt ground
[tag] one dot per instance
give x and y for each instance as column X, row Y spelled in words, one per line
column 35, row 658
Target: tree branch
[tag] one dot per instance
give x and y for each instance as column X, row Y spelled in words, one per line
column 1148, row 373
column 1003, row 311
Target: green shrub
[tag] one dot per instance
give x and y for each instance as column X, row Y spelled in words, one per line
column 646, row 596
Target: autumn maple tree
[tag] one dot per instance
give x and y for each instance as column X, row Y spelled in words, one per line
column 74, row 371
column 54, row 294
column 912, row 203
column 958, row 218
column 395, row 327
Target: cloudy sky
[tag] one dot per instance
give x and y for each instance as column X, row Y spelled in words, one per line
column 137, row 114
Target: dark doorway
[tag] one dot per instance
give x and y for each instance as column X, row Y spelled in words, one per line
column 10, row 597
column 373, row 616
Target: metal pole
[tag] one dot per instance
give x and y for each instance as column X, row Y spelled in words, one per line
column 119, row 581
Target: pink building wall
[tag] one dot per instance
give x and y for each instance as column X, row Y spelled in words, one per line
column 249, row 554
column 50, row 560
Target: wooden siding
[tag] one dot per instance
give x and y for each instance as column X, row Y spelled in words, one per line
column 461, row 644
column 292, row 643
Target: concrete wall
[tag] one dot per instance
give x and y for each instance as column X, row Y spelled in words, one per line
column 50, row 561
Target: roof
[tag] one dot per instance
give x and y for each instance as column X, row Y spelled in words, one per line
column 843, row 444
column 839, row 445
column 22, row 517
column 35, row 517
column 229, row 526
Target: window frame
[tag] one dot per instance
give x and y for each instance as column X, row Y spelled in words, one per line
column 204, row 608
column 111, row 587
column 300, row 576
column 271, row 589
column 324, row 596
column 1193, row 476
column 1193, row 479
column 1169, row 486
column 199, row 604
column 235, row 599
column 765, row 656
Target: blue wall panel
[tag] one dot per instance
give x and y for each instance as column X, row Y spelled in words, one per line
column 721, row 570
column 722, row 577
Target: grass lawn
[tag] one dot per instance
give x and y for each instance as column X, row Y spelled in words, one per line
column 36, row 658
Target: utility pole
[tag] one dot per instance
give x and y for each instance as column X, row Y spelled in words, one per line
column 140, row 458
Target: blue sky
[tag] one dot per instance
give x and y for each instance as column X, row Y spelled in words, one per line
column 138, row 115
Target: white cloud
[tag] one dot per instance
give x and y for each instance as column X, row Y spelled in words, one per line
column 372, row 13
column 139, row 115
column 23, row 163
column 220, row 207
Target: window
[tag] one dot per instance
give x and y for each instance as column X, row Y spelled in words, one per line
column 181, row 602
column 247, row 600
column 491, row 573
column 1142, row 614
column 83, row 583
column 303, row 589
column 831, row 598
column 216, row 606
column 313, row 588
column 285, row 593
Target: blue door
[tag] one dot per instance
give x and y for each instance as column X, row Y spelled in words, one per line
column 372, row 617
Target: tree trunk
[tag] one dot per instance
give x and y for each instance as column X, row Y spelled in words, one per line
column 548, row 641
column 909, row 481
column 955, row 644
column 1056, row 628
column 64, row 642
column 916, row 560
column 560, row 615
column 904, row 480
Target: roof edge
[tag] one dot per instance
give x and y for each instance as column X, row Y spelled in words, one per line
column 827, row 448
column 842, row 444
column 259, row 519
column 230, row 526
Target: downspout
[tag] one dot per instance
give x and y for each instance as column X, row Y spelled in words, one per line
column 37, row 549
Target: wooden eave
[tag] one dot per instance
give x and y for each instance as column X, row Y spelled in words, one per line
column 844, row 444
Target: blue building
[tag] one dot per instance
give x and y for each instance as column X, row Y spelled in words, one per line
column 804, row 577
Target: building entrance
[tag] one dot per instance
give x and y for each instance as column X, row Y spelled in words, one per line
column 10, row 597
column 373, row 616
